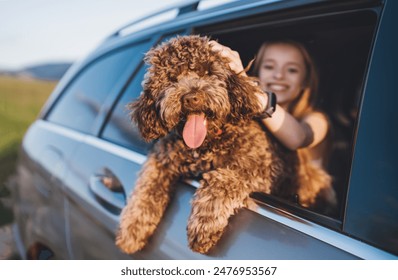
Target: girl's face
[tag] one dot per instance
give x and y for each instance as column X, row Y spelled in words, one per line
column 282, row 71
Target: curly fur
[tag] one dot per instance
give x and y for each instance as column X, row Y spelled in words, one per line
column 238, row 156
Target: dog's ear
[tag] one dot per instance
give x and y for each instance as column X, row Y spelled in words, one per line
column 242, row 92
column 143, row 113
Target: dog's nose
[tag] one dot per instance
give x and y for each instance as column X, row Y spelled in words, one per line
column 191, row 100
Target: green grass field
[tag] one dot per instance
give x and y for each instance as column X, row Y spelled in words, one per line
column 20, row 103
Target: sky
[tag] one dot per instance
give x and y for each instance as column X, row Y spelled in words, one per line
column 46, row 31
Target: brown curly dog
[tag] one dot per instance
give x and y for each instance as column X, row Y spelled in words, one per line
column 204, row 117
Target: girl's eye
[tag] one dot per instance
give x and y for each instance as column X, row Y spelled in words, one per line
column 293, row 70
column 268, row 66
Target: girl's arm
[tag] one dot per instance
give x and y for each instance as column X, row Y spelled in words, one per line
column 294, row 134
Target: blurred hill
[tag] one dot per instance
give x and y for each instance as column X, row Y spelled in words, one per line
column 48, row 71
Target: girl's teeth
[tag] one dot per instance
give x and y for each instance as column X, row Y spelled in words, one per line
column 277, row 87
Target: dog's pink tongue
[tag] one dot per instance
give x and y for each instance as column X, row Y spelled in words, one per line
column 195, row 131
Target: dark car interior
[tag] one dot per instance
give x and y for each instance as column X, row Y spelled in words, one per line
column 340, row 46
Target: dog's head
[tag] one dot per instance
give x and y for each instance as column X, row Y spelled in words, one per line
column 191, row 89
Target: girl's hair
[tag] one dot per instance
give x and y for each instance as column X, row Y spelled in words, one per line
column 305, row 102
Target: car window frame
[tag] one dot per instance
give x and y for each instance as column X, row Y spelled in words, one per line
column 298, row 15
column 323, row 220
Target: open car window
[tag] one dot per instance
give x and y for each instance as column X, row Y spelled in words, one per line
column 341, row 64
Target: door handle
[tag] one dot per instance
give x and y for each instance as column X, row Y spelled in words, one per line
column 108, row 190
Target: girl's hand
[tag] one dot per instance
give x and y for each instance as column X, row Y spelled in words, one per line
column 236, row 65
column 233, row 56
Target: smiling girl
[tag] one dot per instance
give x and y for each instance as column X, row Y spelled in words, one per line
column 287, row 69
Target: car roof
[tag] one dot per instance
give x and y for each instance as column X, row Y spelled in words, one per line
column 186, row 13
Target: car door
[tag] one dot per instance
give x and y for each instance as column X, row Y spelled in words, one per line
column 73, row 117
column 39, row 199
column 103, row 174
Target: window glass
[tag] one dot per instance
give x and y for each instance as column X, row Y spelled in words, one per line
column 82, row 100
column 120, row 129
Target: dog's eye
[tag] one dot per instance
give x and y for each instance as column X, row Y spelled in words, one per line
column 204, row 69
column 173, row 78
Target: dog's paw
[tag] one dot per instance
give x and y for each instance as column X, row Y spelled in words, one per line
column 128, row 242
column 203, row 236
column 202, row 243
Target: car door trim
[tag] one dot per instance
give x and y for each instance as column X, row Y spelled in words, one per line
column 336, row 239
column 94, row 141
